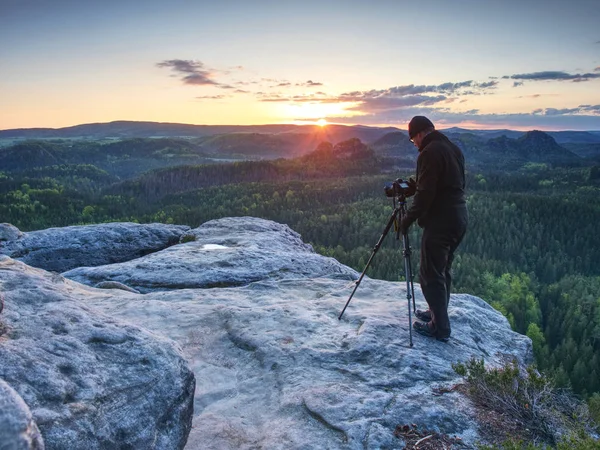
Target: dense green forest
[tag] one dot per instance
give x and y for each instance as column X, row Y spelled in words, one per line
column 530, row 251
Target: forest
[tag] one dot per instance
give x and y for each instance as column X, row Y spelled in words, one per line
column 530, row 250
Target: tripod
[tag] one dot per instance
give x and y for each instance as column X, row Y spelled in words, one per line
column 397, row 215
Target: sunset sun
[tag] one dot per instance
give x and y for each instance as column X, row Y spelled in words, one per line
column 321, row 122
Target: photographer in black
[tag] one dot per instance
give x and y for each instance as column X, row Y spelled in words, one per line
column 440, row 209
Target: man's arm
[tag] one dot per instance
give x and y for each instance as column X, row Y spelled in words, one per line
column 427, row 180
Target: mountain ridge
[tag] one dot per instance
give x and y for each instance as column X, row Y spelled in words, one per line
column 127, row 128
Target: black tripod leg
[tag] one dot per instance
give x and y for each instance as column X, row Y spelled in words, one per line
column 410, row 289
column 409, row 286
column 412, row 284
column 375, row 249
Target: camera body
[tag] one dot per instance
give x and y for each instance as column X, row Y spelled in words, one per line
column 397, row 188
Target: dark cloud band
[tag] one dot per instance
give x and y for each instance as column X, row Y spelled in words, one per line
column 554, row 75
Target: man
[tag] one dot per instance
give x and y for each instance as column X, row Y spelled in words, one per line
column 439, row 207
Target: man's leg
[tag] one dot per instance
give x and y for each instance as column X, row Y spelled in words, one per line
column 435, row 250
column 448, row 274
column 455, row 242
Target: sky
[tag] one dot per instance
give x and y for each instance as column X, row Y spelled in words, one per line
column 481, row 64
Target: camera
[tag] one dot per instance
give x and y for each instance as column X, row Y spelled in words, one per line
column 397, row 188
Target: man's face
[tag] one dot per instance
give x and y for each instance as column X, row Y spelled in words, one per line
column 417, row 138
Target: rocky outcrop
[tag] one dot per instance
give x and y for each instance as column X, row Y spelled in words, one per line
column 18, row 430
column 225, row 252
column 275, row 368
column 62, row 249
column 8, row 232
column 91, row 381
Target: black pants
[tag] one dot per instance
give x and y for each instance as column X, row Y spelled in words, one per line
column 437, row 252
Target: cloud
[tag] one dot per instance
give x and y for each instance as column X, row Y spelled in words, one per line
column 585, row 110
column 518, row 83
column 488, row 85
column 597, row 69
column 397, row 97
column 555, row 75
column 310, row 83
column 312, row 98
column 384, row 103
column 193, row 72
column 442, row 118
column 212, row 97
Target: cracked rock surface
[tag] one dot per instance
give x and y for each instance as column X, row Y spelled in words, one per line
column 275, row 368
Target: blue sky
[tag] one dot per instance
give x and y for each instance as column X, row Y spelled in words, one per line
column 477, row 64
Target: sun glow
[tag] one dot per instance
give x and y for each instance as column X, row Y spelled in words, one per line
column 313, row 113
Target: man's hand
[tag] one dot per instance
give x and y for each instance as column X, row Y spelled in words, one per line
column 405, row 224
column 412, row 187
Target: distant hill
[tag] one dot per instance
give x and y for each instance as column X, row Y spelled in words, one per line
column 590, row 151
column 131, row 129
column 488, row 134
column 128, row 158
column 347, row 158
column 480, row 150
column 576, row 137
column 124, row 129
column 122, row 158
column 533, row 146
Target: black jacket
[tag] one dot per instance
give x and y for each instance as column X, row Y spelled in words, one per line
column 440, row 195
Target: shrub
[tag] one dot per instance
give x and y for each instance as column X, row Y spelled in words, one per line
column 547, row 414
column 187, row 238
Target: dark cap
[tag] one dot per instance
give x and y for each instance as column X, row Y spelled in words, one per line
column 418, row 124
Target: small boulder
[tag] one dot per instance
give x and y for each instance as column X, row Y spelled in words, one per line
column 62, row 249
column 9, row 232
column 18, row 430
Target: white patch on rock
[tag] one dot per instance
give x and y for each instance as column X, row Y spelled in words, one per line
column 213, row 247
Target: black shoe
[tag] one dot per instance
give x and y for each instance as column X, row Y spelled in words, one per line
column 424, row 315
column 428, row 330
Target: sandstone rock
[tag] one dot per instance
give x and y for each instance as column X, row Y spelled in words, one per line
column 226, row 252
column 90, row 380
column 275, row 368
column 62, row 249
column 9, row 232
column 18, row 430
